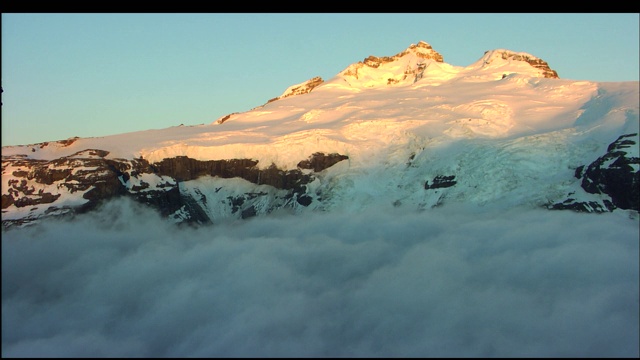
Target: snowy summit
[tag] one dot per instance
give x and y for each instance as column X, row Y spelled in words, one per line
column 505, row 129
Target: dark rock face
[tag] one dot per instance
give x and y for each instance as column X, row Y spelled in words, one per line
column 615, row 174
column 183, row 168
column 96, row 175
column 583, row 206
column 193, row 212
column 39, row 184
column 441, row 181
column 249, row 212
column 319, row 161
column 102, row 179
column 304, row 200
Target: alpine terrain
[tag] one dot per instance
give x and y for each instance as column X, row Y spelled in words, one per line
column 406, row 207
column 407, row 130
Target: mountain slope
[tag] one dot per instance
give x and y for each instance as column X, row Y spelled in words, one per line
column 407, row 130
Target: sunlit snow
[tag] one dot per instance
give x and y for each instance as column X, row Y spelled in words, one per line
column 464, row 116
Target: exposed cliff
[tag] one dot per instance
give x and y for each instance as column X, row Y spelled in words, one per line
column 80, row 182
column 615, row 175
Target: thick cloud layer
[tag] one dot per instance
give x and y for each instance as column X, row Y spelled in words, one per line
column 444, row 282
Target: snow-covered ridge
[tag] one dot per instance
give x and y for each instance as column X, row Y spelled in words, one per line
column 421, row 50
column 498, row 130
column 422, row 63
column 510, row 56
column 405, row 67
column 299, row 89
column 419, row 63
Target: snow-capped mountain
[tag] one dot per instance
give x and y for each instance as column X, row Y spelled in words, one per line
column 407, row 130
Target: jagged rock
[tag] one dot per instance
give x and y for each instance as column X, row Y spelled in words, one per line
column 441, row 181
column 101, row 179
column 45, row 198
column 300, row 89
column 616, row 174
column 304, row 200
column 584, row 206
column 281, row 179
column 183, row 168
column 191, row 212
column 319, row 161
column 547, row 72
column 7, row 200
column 249, row 212
column 422, row 50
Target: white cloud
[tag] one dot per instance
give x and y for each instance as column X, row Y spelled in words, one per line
column 452, row 281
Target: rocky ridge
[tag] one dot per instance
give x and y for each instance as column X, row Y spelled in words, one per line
column 300, row 89
column 422, row 51
column 547, row 72
column 88, row 177
column 614, row 175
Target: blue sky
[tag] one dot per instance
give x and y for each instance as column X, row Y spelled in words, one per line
column 89, row 75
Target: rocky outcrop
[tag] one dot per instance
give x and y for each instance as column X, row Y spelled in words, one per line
column 547, row 72
column 422, row 50
column 300, row 89
column 441, row 181
column 615, row 174
column 537, row 63
column 89, row 178
column 319, row 161
column 225, row 118
column 183, row 168
column 584, row 206
column 95, row 178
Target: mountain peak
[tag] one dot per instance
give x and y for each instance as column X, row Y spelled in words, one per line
column 420, row 61
column 491, row 56
column 405, row 67
column 422, row 50
column 405, row 131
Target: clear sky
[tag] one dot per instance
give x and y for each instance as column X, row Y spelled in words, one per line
column 89, row 75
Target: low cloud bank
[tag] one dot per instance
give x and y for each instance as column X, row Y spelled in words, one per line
column 451, row 281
